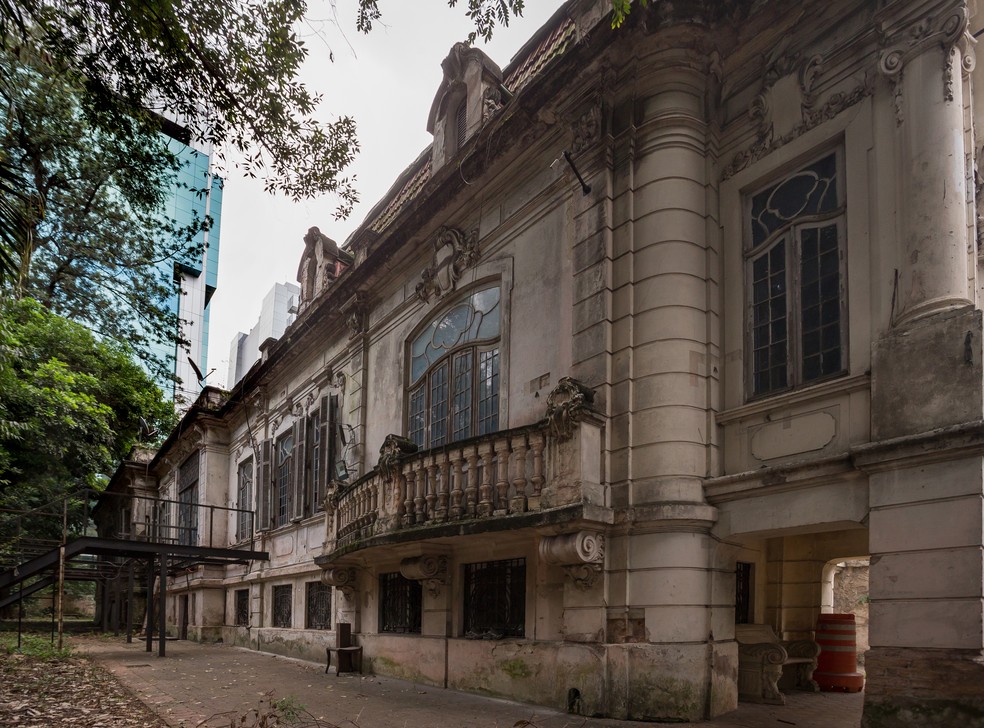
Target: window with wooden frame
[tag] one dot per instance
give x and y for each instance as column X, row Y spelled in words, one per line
column 795, row 263
column 453, row 391
column 284, row 462
column 244, row 518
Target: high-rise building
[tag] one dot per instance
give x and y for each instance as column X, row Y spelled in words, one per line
column 196, row 194
column 278, row 312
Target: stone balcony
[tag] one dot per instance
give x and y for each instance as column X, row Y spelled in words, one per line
column 548, row 472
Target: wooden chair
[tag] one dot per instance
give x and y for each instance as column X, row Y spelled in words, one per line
column 349, row 655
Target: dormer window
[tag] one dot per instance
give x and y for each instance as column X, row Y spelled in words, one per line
column 456, row 114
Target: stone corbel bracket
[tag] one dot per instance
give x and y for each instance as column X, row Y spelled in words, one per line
column 431, row 571
column 341, row 578
column 566, row 405
column 356, row 313
column 581, row 555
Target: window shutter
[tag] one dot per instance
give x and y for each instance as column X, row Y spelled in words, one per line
column 298, row 471
column 264, row 488
column 323, row 473
column 334, row 427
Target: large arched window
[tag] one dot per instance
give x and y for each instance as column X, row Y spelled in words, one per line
column 454, row 373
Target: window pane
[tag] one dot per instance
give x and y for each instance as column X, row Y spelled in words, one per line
column 769, row 302
column 416, row 425
column 439, row 405
column 244, row 522
column 820, row 303
column 461, row 404
column 242, row 607
column 488, row 391
column 477, row 317
column 808, row 191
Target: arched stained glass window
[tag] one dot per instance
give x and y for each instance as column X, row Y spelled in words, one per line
column 454, row 373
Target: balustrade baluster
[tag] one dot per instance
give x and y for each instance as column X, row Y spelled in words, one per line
column 410, row 474
column 536, row 482
column 517, row 504
column 456, row 491
column 431, row 495
column 485, row 491
column 373, row 499
column 502, row 478
column 418, row 499
column 443, row 489
column 471, row 490
column 399, row 493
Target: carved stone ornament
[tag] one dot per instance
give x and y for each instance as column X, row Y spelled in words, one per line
column 909, row 38
column 341, row 578
column 491, row 101
column 566, row 405
column 330, row 502
column 581, row 554
column 391, row 452
column 454, row 252
column 430, row 571
column 586, row 130
column 356, row 312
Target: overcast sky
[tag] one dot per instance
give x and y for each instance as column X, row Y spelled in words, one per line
column 387, row 82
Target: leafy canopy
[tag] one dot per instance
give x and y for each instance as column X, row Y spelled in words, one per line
column 72, row 405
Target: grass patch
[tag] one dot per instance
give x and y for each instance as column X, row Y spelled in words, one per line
column 33, row 645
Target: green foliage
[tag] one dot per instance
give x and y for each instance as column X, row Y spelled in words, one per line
column 289, row 709
column 76, row 401
column 33, row 645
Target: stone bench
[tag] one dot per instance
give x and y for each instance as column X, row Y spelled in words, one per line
column 349, row 656
column 762, row 657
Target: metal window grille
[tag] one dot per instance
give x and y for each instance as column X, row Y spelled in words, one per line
column 244, row 521
column 242, row 607
column 743, row 593
column 399, row 604
column 495, row 599
column 282, row 606
column 318, row 606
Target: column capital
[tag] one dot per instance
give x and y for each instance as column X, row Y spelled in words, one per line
column 909, row 29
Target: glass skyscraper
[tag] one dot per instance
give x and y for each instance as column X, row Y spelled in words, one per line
column 195, row 194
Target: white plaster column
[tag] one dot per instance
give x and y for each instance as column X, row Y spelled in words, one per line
column 925, row 61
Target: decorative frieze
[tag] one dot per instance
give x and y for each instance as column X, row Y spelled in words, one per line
column 454, row 252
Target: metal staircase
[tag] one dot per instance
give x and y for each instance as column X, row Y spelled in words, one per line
column 108, row 536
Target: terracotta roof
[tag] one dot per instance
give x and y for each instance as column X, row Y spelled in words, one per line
column 529, row 61
column 553, row 44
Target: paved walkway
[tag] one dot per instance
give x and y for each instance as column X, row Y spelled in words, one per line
column 197, row 682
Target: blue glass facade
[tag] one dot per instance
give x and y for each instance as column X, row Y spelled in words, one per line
column 194, row 195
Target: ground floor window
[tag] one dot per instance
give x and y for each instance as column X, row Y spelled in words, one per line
column 318, row 606
column 495, row 599
column 282, row 604
column 399, row 604
column 242, row 607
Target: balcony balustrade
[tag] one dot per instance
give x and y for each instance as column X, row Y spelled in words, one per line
column 510, row 472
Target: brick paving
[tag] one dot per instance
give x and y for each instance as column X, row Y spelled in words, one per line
column 196, row 682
